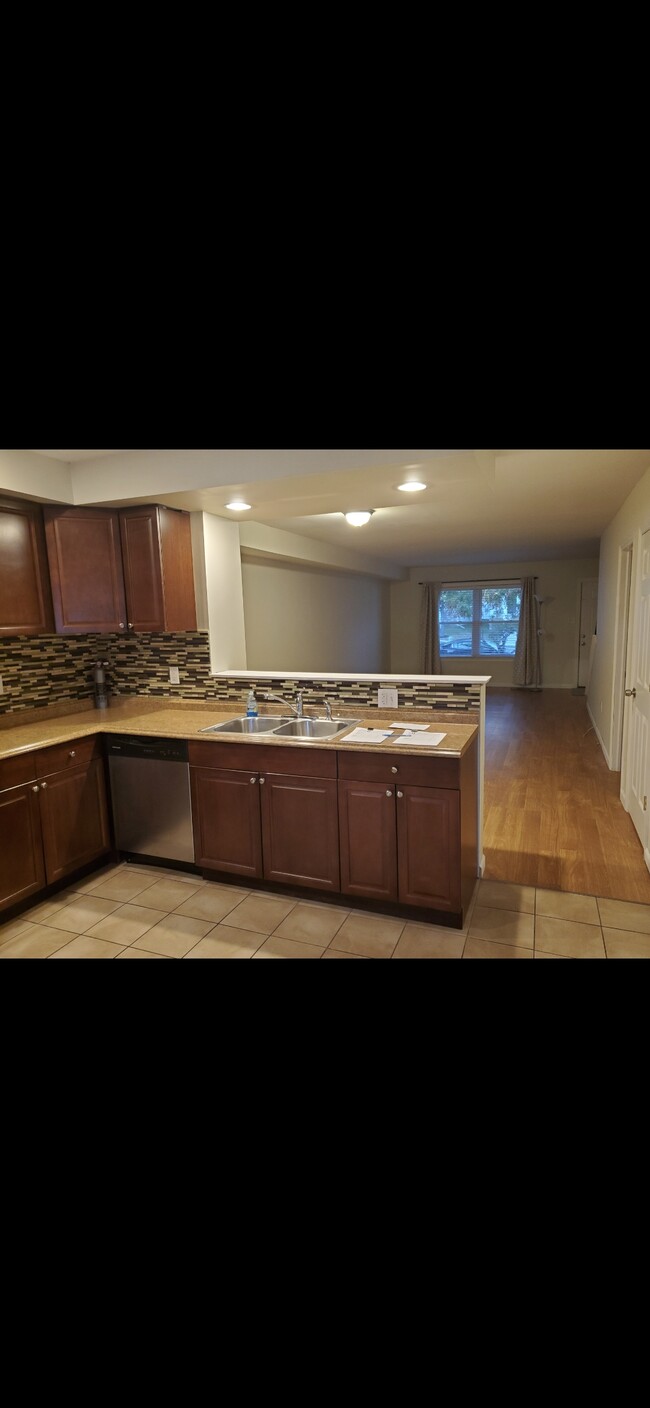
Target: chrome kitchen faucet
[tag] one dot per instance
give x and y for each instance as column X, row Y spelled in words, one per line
column 297, row 707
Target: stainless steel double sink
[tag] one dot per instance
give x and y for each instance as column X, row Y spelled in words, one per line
column 283, row 726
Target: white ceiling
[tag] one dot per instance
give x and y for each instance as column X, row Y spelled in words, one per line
column 479, row 505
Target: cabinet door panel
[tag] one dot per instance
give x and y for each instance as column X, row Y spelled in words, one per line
column 74, row 818
column 25, row 598
column 142, row 569
column 226, row 820
column 22, row 871
column 85, row 557
column 300, row 833
column 428, row 847
column 368, row 844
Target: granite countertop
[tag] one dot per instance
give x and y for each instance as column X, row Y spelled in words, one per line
column 184, row 719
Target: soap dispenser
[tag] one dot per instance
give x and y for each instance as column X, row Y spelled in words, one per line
column 251, row 707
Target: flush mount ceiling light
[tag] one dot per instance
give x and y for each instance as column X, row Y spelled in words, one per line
column 359, row 517
column 237, row 503
column 411, row 486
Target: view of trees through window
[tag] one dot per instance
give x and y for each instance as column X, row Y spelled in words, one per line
column 479, row 620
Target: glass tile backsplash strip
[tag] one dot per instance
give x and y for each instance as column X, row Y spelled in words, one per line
column 44, row 670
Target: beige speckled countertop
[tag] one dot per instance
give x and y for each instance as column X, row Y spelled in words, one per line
column 163, row 718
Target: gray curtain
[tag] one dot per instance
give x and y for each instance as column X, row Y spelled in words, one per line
column 528, row 669
column 429, row 633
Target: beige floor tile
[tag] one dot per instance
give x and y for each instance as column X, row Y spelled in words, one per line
column 481, row 948
column 98, row 877
column 124, row 886
column 338, row 953
column 312, row 924
column 86, row 947
column 499, row 894
column 275, row 947
column 36, row 941
column 568, row 938
column 622, row 943
column 369, row 935
column 503, row 926
column 619, row 914
column 212, row 902
column 82, row 913
column 39, row 913
column 561, row 957
column 555, row 904
column 126, row 924
column 429, row 941
column 261, row 913
column 174, row 935
column 140, row 953
column 167, row 894
column 224, row 942
column 16, row 927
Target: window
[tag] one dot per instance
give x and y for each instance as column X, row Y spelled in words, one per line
column 479, row 620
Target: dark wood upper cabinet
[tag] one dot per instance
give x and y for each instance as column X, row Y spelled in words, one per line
column 158, row 572
column 120, row 569
column 25, row 599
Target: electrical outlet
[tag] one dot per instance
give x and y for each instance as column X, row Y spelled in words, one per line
column 387, row 698
column 174, row 677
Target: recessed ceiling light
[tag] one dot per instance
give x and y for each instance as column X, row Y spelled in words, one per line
column 411, row 486
column 237, row 503
column 359, row 517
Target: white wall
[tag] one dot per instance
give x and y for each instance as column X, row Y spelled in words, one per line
column 302, row 618
column 27, row 473
column 218, row 589
column 632, row 519
column 558, row 582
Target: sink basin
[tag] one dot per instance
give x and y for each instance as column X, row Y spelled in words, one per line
column 255, row 724
column 313, row 728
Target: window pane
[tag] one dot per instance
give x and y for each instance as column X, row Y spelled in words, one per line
column 500, row 603
column 455, row 605
column 498, row 638
column 456, row 639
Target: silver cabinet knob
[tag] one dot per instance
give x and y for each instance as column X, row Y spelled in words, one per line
column 43, row 785
column 393, row 769
column 130, row 625
column 400, row 794
column 253, row 779
column 262, row 779
column 121, row 625
column 35, row 789
column 73, row 753
column 389, row 794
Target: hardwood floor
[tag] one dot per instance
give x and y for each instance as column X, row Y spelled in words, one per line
column 553, row 815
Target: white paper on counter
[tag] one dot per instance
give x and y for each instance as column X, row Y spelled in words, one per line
column 426, row 740
column 367, row 735
column 410, row 727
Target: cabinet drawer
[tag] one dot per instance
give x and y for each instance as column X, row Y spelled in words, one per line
column 395, row 767
column 256, row 757
column 20, row 768
column 67, row 755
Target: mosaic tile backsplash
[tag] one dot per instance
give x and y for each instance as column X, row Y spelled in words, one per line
column 42, row 670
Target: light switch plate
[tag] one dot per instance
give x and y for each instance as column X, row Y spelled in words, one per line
column 174, row 677
column 387, row 698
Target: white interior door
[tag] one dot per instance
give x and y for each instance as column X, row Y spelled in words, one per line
column 638, row 701
column 586, row 627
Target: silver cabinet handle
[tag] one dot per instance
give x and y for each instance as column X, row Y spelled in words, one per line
column 43, row 785
column 389, row 794
column 400, row 794
column 393, row 769
column 121, row 625
column 253, row 779
column 262, row 779
column 35, row 789
column 73, row 753
column 130, row 625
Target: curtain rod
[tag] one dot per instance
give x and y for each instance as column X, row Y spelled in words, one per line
column 465, row 581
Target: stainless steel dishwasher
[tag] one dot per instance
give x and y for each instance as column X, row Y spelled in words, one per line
column 150, row 792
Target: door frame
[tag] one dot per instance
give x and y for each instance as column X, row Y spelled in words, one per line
column 633, row 646
column 622, row 656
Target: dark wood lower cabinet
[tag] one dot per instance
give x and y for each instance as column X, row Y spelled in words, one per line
column 368, row 840
column 300, row 832
column 227, row 821
column 53, row 819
